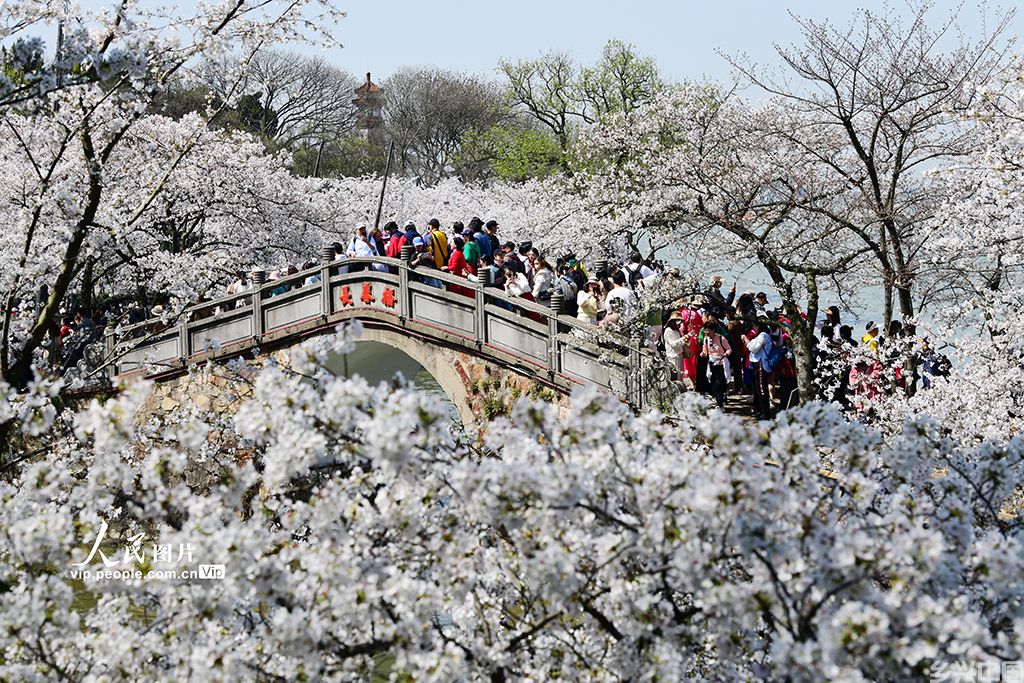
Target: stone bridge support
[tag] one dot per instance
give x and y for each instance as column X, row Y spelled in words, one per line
column 480, row 390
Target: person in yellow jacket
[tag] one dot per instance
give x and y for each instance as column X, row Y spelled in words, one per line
column 437, row 243
column 870, row 338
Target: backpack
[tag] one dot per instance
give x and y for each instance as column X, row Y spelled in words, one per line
column 567, row 286
column 635, row 276
column 773, row 357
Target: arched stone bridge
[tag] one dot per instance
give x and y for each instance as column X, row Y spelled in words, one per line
column 467, row 335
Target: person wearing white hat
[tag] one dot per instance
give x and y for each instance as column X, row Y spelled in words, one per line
column 588, row 301
column 870, row 338
column 361, row 246
column 677, row 343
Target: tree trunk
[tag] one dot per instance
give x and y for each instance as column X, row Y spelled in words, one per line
column 86, row 300
column 887, row 301
column 887, row 279
column 803, row 341
column 801, row 331
column 906, row 301
column 904, row 278
column 20, row 371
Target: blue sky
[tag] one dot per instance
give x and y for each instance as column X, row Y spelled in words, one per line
column 683, row 35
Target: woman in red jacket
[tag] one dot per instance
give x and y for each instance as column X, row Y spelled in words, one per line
column 457, row 266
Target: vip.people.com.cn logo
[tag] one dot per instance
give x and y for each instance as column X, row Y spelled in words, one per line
column 164, row 561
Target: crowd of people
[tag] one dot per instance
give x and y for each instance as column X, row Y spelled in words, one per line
column 715, row 343
column 718, row 344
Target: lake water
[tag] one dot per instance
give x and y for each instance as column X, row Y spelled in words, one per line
column 425, row 383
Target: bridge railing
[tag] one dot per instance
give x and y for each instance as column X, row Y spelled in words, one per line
column 427, row 303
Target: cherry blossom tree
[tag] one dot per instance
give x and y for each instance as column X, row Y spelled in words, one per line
column 717, row 177
column 891, row 93
column 358, row 536
column 974, row 244
column 66, row 119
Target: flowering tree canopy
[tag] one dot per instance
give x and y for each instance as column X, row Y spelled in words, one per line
column 356, row 533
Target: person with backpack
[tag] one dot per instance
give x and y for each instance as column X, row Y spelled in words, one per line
column 716, row 349
column 621, row 292
column 411, row 232
column 636, row 271
column 482, row 240
column 759, row 345
column 569, row 290
column 437, row 243
column 576, row 270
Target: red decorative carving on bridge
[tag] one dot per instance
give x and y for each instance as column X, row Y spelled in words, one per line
column 388, row 298
column 367, row 297
column 346, row 296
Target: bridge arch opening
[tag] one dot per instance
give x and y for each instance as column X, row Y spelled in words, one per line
column 379, row 356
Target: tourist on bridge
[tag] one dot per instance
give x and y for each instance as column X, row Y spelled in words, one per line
column 457, row 265
column 622, row 293
column 360, row 245
column 471, row 251
column 492, row 236
column 543, row 280
column 422, row 259
column 516, row 284
column 491, row 271
column 437, row 243
column 525, row 257
column 378, row 241
column 481, row 238
column 637, row 272
column 511, row 258
column 411, row 232
column 310, row 279
column 589, row 301
column 395, row 240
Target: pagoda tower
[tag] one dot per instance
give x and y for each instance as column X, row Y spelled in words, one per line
column 369, row 104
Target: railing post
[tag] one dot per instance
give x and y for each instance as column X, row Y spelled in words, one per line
column 110, row 350
column 634, row 384
column 556, row 303
column 405, row 291
column 326, row 259
column 480, row 307
column 259, row 278
column 184, row 339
